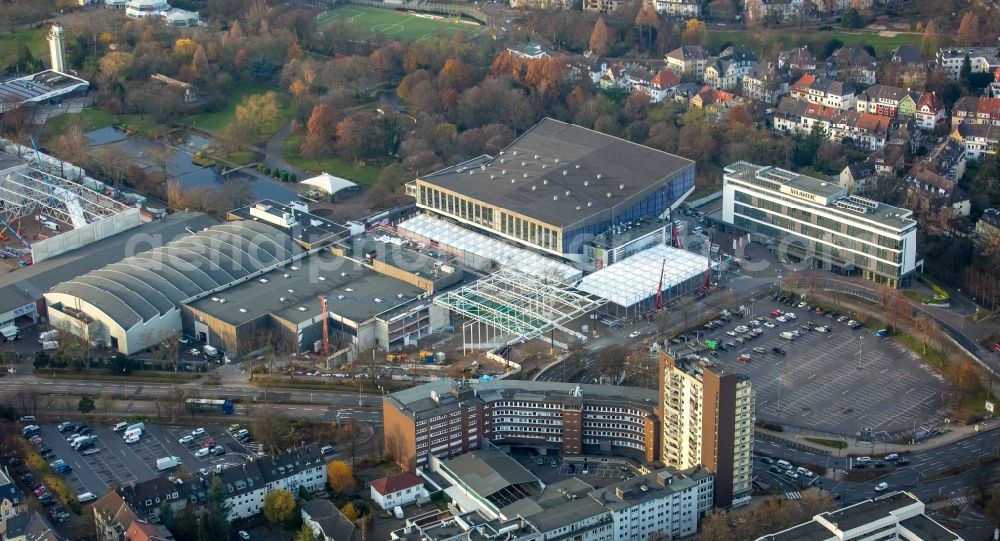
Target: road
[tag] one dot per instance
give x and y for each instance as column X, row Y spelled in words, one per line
column 912, row 477
column 307, row 403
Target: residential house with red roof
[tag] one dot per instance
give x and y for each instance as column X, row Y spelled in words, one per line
column 398, row 490
column 140, row 530
column 976, row 110
column 930, row 112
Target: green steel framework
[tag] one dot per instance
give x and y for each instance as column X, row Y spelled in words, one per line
column 518, row 303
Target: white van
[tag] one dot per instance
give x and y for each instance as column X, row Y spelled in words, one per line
column 784, row 464
column 787, row 335
column 398, row 512
column 10, row 332
column 804, row 472
column 86, row 497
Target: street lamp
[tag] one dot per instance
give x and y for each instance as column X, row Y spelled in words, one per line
column 125, row 387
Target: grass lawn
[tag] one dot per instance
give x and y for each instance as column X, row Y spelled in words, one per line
column 92, row 119
column 836, row 444
column 370, row 22
column 214, row 122
column 763, row 41
column 9, row 44
column 334, row 165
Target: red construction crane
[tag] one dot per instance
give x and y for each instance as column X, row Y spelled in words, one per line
column 326, row 331
column 658, row 301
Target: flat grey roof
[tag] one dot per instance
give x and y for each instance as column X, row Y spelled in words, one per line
column 25, row 285
column 351, row 290
column 867, row 511
column 417, row 400
column 553, row 509
column 38, row 86
column 309, row 229
column 191, row 265
column 393, row 254
column 807, row 531
column 534, row 173
column 490, row 471
column 928, row 529
column 771, row 177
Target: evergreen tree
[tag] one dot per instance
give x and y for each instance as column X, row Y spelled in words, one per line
column 214, row 521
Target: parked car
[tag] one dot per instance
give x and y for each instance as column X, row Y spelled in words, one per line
column 218, row 450
column 244, row 535
column 198, row 432
column 186, row 439
column 881, row 486
column 201, row 453
column 64, row 426
column 778, row 351
column 767, row 460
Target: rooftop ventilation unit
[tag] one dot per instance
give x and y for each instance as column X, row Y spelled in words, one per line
column 621, row 186
column 340, row 297
column 557, row 160
column 343, row 274
column 291, row 291
column 215, row 299
column 586, row 183
column 503, row 171
column 514, row 152
column 513, row 180
column 525, row 175
column 523, row 164
column 565, row 172
column 222, row 301
column 590, row 204
column 302, row 308
column 349, row 289
column 567, row 192
column 492, row 177
column 555, row 197
column 322, row 278
column 533, row 188
column 281, row 299
column 399, row 295
column 294, row 268
column 577, row 166
column 243, row 310
column 578, row 207
column 609, row 195
column 536, row 156
column 598, row 176
column 378, row 299
column 285, row 275
column 263, row 280
column 545, row 181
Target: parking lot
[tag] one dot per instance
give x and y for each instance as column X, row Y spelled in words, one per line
column 601, row 471
column 817, row 383
column 112, row 462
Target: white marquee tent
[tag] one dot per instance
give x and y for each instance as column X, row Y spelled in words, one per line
column 635, row 278
column 329, row 184
column 455, row 238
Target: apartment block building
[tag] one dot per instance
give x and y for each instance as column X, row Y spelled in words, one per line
column 448, row 418
column 707, row 418
column 981, row 60
column 819, row 222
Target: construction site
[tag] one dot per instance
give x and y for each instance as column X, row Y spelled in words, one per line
column 48, row 207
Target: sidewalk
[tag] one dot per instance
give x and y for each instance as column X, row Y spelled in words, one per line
column 955, row 433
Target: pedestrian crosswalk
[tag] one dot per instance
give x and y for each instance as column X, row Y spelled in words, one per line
column 961, row 500
column 793, row 495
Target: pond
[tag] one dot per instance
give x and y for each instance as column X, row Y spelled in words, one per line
column 179, row 166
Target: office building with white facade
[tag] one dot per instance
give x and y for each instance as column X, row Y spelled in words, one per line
column 499, row 489
column 899, row 515
column 812, row 220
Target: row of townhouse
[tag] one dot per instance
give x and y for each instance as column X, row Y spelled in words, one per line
column 975, row 123
column 778, row 11
column 863, row 130
column 246, row 486
column 926, row 108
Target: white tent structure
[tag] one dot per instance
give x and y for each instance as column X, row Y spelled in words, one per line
column 329, row 184
column 482, row 252
column 635, row 278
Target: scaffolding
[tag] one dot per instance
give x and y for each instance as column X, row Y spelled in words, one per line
column 514, row 303
column 28, row 190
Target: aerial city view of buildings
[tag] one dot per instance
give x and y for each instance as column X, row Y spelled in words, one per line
column 511, row 271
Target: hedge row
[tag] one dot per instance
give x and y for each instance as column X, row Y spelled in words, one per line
column 279, row 174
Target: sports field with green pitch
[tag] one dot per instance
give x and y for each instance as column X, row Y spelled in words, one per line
column 370, row 23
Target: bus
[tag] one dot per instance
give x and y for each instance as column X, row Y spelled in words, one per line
column 195, row 405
